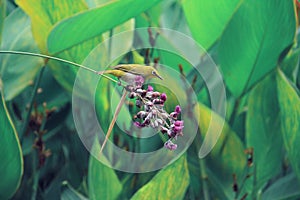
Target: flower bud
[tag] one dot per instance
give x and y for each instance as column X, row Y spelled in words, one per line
column 163, row 129
column 138, row 124
column 163, row 97
column 178, row 123
column 131, row 95
column 170, row 145
column 174, row 115
column 155, row 94
column 138, row 103
column 177, row 109
column 141, row 114
column 150, row 88
column 139, row 80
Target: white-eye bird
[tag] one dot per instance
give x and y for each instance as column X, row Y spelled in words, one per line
column 128, row 72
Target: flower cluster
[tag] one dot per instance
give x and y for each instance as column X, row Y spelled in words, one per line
column 153, row 113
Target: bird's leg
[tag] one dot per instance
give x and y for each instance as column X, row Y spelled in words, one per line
column 119, row 83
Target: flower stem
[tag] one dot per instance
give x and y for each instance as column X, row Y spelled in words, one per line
column 234, row 112
column 204, row 178
column 113, row 121
column 32, row 97
column 58, row 59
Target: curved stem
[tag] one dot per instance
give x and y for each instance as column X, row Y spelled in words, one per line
column 204, row 178
column 235, row 111
column 31, row 100
column 113, row 121
column 58, row 59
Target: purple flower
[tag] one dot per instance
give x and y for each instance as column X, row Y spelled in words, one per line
column 178, row 129
column 153, row 114
column 150, row 88
column 163, row 129
column 178, row 123
column 138, row 124
column 177, row 109
column 155, row 94
column 170, row 145
column 139, row 80
column 163, row 97
column 174, row 115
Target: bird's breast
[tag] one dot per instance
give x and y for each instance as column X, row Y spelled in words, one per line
column 129, row 78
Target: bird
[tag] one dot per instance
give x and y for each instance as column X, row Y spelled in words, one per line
column 129, row 72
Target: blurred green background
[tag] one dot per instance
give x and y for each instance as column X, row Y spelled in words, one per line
column 255, row 45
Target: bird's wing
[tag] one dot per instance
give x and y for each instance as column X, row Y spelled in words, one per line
column 130, row 68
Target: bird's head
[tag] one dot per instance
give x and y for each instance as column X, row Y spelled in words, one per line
column 151, row 72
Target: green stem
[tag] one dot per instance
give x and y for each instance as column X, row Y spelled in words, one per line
column 204, row 178
column 31, row 100
column 235, row 111
column 113, row 121
column 35, row 184
column 110, row 43
column 36, row 175
column 58, row 59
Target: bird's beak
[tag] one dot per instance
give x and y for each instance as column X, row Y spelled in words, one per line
column 158, row 76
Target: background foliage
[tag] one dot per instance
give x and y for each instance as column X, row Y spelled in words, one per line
column 254, row 43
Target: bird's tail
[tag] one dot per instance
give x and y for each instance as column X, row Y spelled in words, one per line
column 101, row 72
column 105, row 72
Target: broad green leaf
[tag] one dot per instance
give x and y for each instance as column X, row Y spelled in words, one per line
column 91, row 23
column 263, row 130
column 169, row 183
column 172, row 17
column 2, row 16
column 102, row 180
column 96, row 3
column 289, row 104
column 286, row 187
column 10, row 7
column 227, row 156
column 290, row 65
column 207, row 19
column 18, row 71
column 171, row 47
column 11, row 168
column 43, row 15
column 69, row 193
column 115, row 50
column 252, row 42
column 150, row 18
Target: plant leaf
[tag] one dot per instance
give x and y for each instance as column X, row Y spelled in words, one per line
column 44, row 14
column 207, row 19
column 289, row 104
column 11, row 168
column 103, row 181
column 2, row 16
column 18, row 71
column 286, row 187
column 96, row 3
column 227, row 156
column 252, row 42
column 169, row 183
column 263, row 130
column 91, row 23
column 290, row 65
column 69, row 193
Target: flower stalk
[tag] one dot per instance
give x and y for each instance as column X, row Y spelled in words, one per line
column 153, row 113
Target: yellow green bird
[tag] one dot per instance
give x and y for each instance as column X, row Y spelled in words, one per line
column 128, row 72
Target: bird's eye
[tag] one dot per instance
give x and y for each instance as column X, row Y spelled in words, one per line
column 153, row 72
